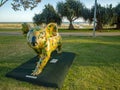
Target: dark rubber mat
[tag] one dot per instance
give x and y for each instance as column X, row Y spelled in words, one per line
column 53, row 74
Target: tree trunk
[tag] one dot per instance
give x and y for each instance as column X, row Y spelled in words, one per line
column 99, row 26
column 71, row 27
column 118, row 23
column 118, row 26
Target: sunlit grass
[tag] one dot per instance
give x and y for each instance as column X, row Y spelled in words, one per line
column 96, row 66
column 97, row 63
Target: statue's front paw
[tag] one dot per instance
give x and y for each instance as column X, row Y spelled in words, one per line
column 59, row 52
column 36, row 72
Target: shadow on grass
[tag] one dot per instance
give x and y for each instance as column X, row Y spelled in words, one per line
column 101, row 55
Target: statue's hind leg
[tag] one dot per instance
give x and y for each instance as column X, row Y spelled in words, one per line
column 59, row 48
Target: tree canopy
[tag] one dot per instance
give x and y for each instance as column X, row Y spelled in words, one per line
column 101, row 14
column 116, row 16
column 72, row 9
column 18, row 4
column 106, row 16
column 48, row 15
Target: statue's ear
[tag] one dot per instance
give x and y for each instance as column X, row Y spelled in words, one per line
column 25, row 28
column 47, row 29
column 52, row 29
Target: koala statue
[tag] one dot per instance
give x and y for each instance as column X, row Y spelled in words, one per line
column 43, row 42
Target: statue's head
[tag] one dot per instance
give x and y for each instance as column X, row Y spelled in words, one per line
column 37, row 37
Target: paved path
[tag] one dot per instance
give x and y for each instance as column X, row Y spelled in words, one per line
column 91, row 34
column 68, row 33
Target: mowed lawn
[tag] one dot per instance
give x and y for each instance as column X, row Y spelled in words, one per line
column 96, row 65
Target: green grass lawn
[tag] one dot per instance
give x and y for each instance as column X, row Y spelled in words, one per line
column 10, row 30
column 96, row 66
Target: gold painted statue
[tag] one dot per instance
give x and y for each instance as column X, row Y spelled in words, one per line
column 44, row 42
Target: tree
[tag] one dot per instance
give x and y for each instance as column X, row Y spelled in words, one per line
column 86, row 14
column 2, row 2
column 17, row 4
column 39, row 19
column 108, row 15
column 71, row 9
column 48, row 15
column 116, row 16
column 103, row 15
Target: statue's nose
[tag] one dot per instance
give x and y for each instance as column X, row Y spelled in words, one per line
column 33, row 41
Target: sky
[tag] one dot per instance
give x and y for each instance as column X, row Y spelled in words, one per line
column 7, row 14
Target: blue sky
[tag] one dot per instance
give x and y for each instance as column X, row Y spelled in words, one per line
column 7, row 14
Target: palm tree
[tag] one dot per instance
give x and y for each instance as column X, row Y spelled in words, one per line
column 48, row 15
column 71, row 9
column 103, row 15
column 116, row 16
